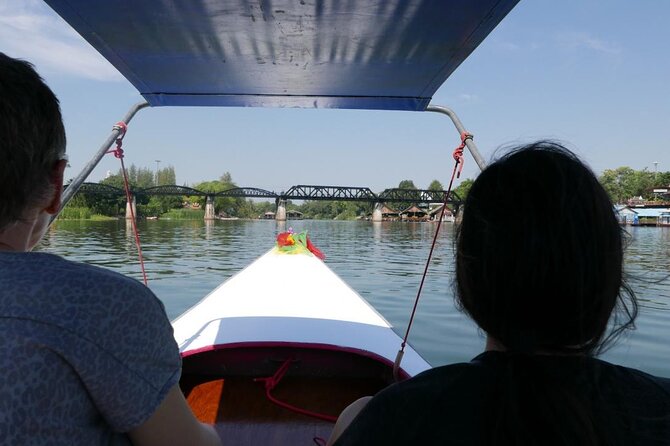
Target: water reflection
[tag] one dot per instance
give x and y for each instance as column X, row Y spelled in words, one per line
column 383, row 262
column 281, row 226
column 209, row 226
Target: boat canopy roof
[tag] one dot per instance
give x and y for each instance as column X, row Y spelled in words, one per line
column 368, row 54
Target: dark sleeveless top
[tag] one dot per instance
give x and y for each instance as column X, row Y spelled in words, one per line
column 457, row 404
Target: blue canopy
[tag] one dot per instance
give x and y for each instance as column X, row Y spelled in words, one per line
column 363, row 54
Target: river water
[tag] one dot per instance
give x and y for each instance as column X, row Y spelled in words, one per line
column 383, row 262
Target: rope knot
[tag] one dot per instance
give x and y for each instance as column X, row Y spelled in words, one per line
column 458, row 152
column 122, row 128
column 271, row 381
column 118, row 152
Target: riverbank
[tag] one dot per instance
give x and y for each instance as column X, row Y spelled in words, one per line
column 82, row 213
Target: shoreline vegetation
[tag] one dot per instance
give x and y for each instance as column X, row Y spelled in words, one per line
column 100, row 207
column 622, row 184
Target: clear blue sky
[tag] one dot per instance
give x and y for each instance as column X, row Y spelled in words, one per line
column 592, row 73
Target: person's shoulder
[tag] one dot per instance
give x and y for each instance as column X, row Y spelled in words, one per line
column 52, row 264
column 49, row 289
column 633, row 403
column 84, row 279
column 60, row 265
column 435, row 382
column 633, row 378
column 481, row 364
column 450, row 371
column 423, row 407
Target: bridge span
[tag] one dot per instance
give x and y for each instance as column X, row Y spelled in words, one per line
column 299, row 192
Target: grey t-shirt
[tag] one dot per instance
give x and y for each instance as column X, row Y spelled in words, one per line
column 86, row 354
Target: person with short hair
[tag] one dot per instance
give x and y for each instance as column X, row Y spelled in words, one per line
column 546, row 287
column 87, row 355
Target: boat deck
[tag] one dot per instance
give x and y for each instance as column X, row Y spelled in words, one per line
column 241, row 413
column 289, row 318
column 235, row 401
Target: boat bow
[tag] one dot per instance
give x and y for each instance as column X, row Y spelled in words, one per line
column 291, row 301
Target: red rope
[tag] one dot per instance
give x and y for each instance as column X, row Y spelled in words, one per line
column 272, row 381
column 118, row 153
column 458, row 155
column 458, row 167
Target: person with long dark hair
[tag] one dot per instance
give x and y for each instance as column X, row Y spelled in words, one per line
column 539, row 268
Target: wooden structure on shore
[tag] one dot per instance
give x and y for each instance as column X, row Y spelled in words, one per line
column 389, row 214
column 643, row 215
column 414, row 213
column 434, row 214
column 293, row 215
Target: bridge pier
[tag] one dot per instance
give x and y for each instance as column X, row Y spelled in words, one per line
column 280, row 215
column 377, row 212
column 131, row 205
column 209, row 208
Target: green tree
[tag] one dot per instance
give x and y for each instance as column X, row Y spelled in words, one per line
column 226, row 178
column 662, row 179
column 230, row 205
column 144, row 178
column 624, row 183
column 329, row 210
column 247, row 209
column 407, row 184
column 463, row 188
column 317, row 210
column 262, row 207
column 350, row 210
column 160, row 204
column 138, row 178
column 644, row 182
column 436, row 186
column 166, row 176
column 78, row 201
column 612, row 183
column 107, row 204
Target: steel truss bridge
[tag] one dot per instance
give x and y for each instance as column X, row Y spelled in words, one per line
column 300, row 192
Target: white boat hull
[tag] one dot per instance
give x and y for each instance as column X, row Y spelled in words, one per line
column 290, row 300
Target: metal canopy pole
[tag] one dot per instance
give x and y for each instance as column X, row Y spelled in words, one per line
column 459, row 126
column 74, row 186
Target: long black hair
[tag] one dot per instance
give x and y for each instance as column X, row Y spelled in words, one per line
column 539, row 267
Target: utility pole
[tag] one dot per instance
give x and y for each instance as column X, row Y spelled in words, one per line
column 655, row 163
column 158, row 162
